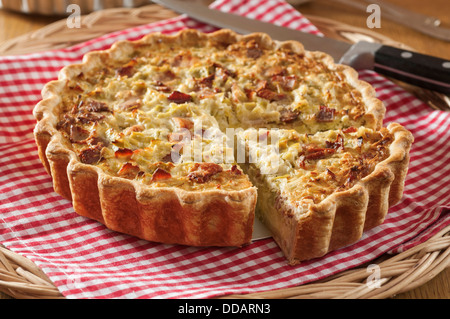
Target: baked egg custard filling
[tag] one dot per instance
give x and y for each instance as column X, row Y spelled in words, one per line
column 144, row 116
column 304, row 169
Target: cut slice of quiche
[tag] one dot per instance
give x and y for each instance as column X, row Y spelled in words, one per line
column 312, row 187
column 152, row 139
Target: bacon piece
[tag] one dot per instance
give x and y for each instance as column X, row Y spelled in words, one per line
column 288, row 115
column 325, row 114
column 85, row 113
column 202, row 172
column 262, row 84
column 270, row 95
column 97, row 140
column 123, row 153
column 177, row 60
column 265, row 91
column 337, row 144
column 127, row 69
column 90, row 155
column 76, row 88
column 205, row 86
column 287, row 82
column 175, row 153
column 184, row 130
column 266, row 94
column 174, row 137
column 207, row 81
column 250, row 94
column 129, row 171
column 314, row 153
column 160, row 174
column 319, row 153
column 65, row 121
column 350, row 129
column 78, row 134
column 235, row 170
column 179, row 97
column 254, row 52
column 301, row 161
column 97, row 106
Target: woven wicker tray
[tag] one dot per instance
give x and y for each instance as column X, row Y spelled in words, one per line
column 20, row 278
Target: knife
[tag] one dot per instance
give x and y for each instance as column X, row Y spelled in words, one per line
column 422, row 70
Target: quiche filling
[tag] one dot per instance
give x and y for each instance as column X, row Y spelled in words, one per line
column 304, row 169
column 144, row 116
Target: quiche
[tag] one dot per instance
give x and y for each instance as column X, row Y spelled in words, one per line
column 187, row 138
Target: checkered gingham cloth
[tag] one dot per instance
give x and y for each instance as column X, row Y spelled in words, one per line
column 86, row 260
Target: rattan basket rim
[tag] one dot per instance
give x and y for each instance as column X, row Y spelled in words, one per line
column 20, row 278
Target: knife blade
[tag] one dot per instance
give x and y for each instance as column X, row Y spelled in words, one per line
column 422, row 70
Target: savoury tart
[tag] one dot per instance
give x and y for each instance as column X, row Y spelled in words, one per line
column 138, row 138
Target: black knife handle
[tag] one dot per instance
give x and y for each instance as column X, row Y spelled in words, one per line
column 419, row 69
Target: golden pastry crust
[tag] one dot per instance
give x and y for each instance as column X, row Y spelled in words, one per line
column 252, row 91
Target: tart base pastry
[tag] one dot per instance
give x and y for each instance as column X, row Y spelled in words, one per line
column 115, row 133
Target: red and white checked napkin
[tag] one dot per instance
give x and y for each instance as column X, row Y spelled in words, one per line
column 86, row 260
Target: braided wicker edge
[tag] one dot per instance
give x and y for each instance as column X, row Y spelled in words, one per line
column 22, row 279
